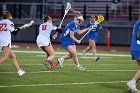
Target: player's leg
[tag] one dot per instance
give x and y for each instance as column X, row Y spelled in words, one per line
column 5, row 55
column 15, row 63
column 72, row 50
column 93, row 48
column 62, row 59
column 50, row 56
column 87, row 49
column 132, row 83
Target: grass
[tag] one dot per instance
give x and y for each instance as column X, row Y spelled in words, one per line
column 100, row 76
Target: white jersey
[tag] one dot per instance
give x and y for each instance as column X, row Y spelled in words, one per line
column 6, row 27
column 43, row 39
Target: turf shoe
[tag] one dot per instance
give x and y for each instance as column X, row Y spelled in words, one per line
column 81, row 68
column 53, row 65
column 48, row 63
column 21, row 72
column 97, row 59
column 60, row 61
column 132, row 87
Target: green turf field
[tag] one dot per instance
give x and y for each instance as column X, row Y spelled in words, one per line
column 108, row 75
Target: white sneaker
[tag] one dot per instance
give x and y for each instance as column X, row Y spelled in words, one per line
column 60, row 61
column 132, row 87
column 81, row 68
column 84, row 53
column 21, row 72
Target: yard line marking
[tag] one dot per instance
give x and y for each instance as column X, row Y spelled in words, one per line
column 112, row 70
column 41, row 52
column 85, row 71
column 62, row 84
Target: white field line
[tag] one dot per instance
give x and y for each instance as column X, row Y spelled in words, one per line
column 85, row 71
column 70, row 64
column 63, row 84
column 30, row 72
column 41, row 52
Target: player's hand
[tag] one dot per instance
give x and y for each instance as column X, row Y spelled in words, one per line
column 78, row 41
column 54, row 36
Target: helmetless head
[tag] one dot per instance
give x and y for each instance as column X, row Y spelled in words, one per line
column 46, row 18
column 6, row 15
column 93, row 18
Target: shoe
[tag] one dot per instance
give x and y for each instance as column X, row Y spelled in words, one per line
column 48, row 63
column 81, row 68
column 97, row 59
column 84, row 53
column 132, row 87
column 21, row 72
column 60, row 61
column 53, row 65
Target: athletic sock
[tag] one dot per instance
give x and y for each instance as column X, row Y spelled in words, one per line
column 78, row 65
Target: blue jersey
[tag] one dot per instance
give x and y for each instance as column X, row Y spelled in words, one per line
column 65, row 37
column 94, row 33
column 134, row 45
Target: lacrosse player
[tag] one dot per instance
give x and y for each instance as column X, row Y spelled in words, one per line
column 135, row 53
column 93, row 36
column 6, row 28
column 43, row 40
column 68, row 41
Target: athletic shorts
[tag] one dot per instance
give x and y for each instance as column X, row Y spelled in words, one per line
column 5, row 43
column 135, row 55
column 65, row 42
column 93, row 37
column 42, row 41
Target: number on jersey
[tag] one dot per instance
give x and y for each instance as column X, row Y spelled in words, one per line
column 3, row 27
column 44, row 27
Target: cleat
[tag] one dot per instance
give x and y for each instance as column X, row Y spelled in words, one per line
column 21, row 72
column 132, row 87
column 97, row 59
column 53, row 65
column 84, row 53
column 47, row 63
column 81, row 68
column 60, row 61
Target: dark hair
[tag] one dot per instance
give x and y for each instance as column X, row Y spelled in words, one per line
column 94, row 16
column 45, row 17
column 6, row 14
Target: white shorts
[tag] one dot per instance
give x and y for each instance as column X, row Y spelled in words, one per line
column 4, row 43
column 42, row 41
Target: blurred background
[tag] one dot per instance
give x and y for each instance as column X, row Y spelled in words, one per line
column 120, row 16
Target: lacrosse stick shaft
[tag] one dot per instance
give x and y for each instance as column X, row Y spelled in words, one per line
column 85, row 35
column 62, row 20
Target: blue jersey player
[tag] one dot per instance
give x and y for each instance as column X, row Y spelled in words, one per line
column 135, row 53
column 68, row 41
column 93, row 36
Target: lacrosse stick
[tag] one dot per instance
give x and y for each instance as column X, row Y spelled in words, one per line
column 27, row 25
column 68, row 7
column 99, row 20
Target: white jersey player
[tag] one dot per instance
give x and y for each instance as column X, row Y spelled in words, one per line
column 43, row 40
column 6, row 28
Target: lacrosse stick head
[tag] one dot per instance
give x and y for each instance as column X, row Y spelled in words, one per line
column 99, row 20
column 68, row 7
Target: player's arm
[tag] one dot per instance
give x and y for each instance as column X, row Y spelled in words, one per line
column 15, row 31
column 83, row 30
column 100, row 27
column 73, row 37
